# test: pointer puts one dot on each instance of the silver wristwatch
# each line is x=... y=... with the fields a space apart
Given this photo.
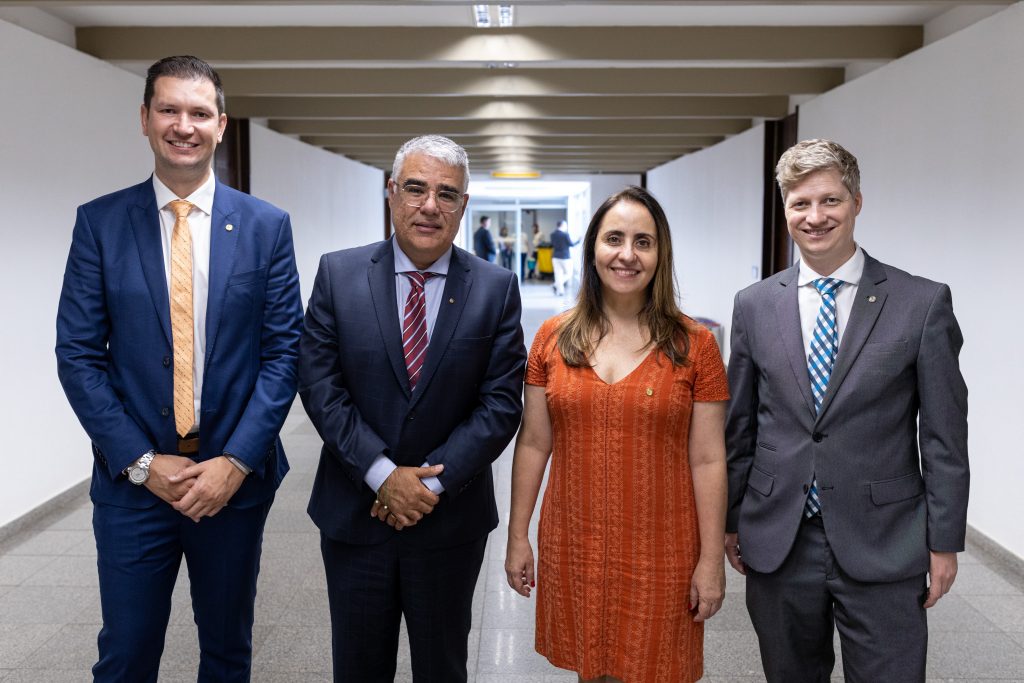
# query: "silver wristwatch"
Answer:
x=138 y=473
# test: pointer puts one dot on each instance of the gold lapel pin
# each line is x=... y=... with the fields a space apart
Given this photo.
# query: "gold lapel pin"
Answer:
x=872 y=299
x=229 y=227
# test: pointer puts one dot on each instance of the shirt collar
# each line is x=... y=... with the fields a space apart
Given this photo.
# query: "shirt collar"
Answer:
x=850 y=272
x=404 y=265
x=202 y=198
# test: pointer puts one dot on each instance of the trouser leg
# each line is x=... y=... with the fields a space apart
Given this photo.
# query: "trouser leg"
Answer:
x=223 y=557
x=791 y=610
x=138 y=553
x=437 y=588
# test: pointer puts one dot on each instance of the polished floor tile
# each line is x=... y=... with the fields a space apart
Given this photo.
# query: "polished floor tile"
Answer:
x=49 y=600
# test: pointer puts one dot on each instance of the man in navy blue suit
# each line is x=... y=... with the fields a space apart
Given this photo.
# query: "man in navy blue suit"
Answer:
x=177 y=337
x=411 y=368
x=483 y=240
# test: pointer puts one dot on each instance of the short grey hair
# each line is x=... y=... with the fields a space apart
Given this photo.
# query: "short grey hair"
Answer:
x=811 y=156
x=438 y=147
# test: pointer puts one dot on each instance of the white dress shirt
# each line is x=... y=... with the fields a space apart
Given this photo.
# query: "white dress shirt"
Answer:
x=199 y=225
x=433 y=290
x=810 y=300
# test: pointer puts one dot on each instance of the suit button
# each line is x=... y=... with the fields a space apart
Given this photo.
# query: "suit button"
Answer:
x=167 y=361
x=806 y=488
x=817 y=437
x=412 y=415
x=165 y=411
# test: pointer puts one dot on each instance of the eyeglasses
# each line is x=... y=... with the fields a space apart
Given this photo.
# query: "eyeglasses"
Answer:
x=416 y=196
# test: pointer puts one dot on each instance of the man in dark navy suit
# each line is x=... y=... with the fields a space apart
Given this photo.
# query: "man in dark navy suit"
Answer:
x=411 y=369
x=177 y=337
x=483 y=240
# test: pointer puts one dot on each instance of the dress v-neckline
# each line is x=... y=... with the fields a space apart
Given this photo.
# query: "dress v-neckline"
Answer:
x=622 y=379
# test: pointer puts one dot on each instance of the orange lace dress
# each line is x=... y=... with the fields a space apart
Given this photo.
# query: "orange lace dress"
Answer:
x=618 y=539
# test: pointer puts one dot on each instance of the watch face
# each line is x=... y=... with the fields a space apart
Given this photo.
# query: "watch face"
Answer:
x=138 y=475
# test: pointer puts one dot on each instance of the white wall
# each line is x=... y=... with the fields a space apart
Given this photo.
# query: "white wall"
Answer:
x=602 y=186
x=714 y=203
x=71 y=133
x=940 y=139
x=334 y=202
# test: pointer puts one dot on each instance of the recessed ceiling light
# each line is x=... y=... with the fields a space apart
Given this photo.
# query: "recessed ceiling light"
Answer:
x=482 y=16
x=515 y=175
x=505 y=16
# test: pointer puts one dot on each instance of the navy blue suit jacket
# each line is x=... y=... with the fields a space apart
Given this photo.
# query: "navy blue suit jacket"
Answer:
x=114 y=353
x=355 y=387
x=483 y=244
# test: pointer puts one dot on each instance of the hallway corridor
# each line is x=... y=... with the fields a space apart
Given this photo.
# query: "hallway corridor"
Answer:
x=50 y=615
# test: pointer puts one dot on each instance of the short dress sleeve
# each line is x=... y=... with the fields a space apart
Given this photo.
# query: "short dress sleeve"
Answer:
x=540 y=353
x=710 y=381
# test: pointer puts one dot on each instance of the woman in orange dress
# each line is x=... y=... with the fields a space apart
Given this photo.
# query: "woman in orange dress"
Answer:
x=627 y=397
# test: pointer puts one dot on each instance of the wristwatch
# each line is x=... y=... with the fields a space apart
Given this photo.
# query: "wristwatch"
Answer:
x=138 y=473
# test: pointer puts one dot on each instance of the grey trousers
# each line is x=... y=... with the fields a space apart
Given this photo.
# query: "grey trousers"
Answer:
x=883 y=630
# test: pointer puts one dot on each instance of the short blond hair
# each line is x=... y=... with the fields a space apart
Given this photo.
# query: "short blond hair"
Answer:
x=811 y=156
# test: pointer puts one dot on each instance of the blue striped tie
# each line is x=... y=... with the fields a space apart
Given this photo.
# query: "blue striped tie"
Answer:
x=820 y=358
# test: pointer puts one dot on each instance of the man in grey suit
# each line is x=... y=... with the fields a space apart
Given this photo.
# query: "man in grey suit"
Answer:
x=847 y=442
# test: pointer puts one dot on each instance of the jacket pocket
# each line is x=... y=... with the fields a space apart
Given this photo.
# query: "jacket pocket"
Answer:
x=894 y=490
x=258 y=275
x=760 y=481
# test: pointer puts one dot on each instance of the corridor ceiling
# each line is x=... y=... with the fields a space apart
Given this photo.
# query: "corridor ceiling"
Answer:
x=572 y=87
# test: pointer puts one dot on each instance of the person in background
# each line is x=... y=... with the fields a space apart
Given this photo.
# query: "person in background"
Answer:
x=524 y=253
x=507 y=246
x=177 y=335
x=483 y=241
x=536 y=239
x=847 y=442
x=561 y=257
x=626 y=396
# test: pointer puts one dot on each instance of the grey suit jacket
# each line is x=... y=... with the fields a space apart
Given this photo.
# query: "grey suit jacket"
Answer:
x=889 y=446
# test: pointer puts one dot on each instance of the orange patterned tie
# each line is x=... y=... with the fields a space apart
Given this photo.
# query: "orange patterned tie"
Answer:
x=181 y=317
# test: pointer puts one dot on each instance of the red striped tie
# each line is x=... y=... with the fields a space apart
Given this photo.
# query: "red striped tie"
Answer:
x=414 y=326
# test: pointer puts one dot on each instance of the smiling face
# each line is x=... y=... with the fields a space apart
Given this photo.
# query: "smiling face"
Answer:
x=183 y=127
x=820 y=215
x=425 y=233
x=626 y=250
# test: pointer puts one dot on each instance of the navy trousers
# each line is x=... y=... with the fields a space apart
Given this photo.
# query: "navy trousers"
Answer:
x=138 y=556
x=370 y=587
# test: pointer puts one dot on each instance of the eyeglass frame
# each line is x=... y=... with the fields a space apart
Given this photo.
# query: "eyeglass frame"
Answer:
x=402 y=189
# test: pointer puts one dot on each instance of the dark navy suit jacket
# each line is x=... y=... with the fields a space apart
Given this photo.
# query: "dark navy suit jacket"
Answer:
x=114 y=351
x=355 y=387
x=483 y=244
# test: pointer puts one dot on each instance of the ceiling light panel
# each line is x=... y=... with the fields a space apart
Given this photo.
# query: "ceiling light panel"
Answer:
x=482 y=16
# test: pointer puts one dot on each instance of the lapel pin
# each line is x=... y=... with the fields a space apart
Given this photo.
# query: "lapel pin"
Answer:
x=872 y=299
x=229 y=227
x=451 y=301
x=650 y=392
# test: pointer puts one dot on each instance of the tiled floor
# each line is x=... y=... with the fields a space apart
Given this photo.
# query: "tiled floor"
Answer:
x=49 y=605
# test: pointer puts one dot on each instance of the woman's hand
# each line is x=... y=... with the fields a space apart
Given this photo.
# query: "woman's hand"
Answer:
x=519 y=566
x=707 y=587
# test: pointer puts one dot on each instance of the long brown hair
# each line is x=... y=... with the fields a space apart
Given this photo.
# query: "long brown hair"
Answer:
x=667 y=326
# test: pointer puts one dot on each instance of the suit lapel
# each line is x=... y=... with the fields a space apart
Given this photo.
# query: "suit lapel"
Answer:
x=866 y=308
x=144 y=216
x=222 y=260
x=456 y=292
x=787 y=311
x=381 y=274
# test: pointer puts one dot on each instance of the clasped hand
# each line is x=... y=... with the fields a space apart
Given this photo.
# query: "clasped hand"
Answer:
x=196 y=490
x=403 y=499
